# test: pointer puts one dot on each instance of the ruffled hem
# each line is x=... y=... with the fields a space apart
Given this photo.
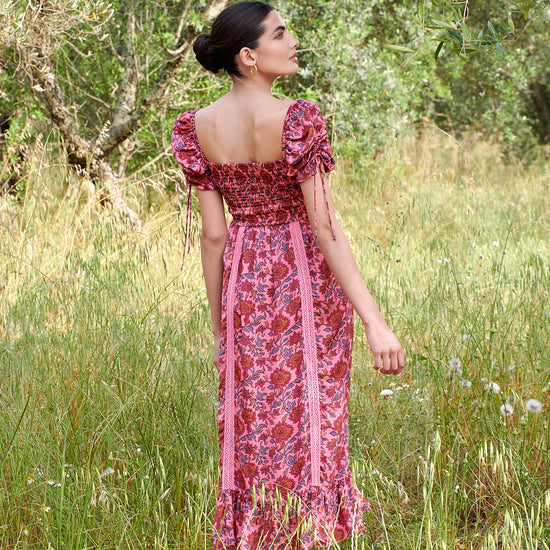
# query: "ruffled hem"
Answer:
x=279 y=519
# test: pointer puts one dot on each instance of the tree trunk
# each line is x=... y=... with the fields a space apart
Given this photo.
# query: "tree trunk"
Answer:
x=540 y=95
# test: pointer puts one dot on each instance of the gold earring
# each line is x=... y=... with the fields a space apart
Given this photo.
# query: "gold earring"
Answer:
x=253 y=70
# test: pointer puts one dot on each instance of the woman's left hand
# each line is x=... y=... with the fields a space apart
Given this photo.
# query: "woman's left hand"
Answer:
x=385 y=347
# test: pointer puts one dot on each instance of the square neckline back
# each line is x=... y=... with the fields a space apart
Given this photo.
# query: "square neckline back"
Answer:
x=236 y=164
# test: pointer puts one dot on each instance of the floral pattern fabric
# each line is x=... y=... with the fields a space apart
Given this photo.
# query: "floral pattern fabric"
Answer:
x=272 y=500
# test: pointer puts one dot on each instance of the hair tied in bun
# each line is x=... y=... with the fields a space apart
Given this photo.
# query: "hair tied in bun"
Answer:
x=206 y=53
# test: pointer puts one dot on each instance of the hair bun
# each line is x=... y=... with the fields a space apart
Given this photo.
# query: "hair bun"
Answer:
x=206 y=53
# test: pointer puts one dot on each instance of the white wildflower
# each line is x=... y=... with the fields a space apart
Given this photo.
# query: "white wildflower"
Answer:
x=386 y=393
x=511 y=368
x=25 y=532
x=495 y=244
x=107 y=472
x=50 y=482
x=466 y=383
x=493 y=387
x=30 y=480
x=533 y=406
x=47 y=509
x=506 y=409
x=466 y=337
x=455 y=365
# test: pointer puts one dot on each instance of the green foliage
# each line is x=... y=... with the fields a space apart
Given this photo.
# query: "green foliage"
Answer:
x=370 y=64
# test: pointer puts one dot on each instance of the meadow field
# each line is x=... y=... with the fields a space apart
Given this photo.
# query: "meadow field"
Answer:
x=108 y=395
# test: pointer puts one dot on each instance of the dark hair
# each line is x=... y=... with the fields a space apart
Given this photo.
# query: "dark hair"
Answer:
x=237 y=26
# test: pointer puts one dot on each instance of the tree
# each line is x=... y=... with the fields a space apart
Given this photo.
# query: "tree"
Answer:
x=96 y=70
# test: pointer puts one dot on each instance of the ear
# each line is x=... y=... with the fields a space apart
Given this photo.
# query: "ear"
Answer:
x=247 y=57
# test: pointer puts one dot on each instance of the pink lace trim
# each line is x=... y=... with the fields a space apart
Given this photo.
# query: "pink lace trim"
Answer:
x=310 y=350
x=229 y=419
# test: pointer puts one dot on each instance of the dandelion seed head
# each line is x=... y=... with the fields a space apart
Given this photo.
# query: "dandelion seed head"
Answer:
x=506 y=409
x=492 y=387
x=533 y=406
x=455 y=363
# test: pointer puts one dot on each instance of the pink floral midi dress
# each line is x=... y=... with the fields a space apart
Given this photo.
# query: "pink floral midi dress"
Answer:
x=285 y=356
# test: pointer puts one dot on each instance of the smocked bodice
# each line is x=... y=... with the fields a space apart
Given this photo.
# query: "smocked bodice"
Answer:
x=260 y=193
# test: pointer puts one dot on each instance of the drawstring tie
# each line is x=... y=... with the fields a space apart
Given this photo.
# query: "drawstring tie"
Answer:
x=186 y=235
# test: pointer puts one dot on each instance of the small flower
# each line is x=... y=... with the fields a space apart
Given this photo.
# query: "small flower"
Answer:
x=506 y=409
x=107 y=472
x=50 y=482
x=533 y=406
x=455 y=365
x=495 y=244
x=25 y=532
x=466 y=337
x=481 y=257
x=386 y=393
x=47 y=509
x=138 y=451
x=466 y=383
x=30 y=480
x=492 y=387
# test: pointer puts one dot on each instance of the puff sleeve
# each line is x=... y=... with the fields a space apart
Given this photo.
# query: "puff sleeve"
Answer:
x=186 y=150
x=307 y=150
x=306 y=146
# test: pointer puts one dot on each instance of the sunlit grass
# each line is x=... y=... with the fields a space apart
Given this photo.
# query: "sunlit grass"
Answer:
x=108 y=397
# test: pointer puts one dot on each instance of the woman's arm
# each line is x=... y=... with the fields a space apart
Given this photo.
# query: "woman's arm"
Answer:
x=386 y=349
x=213 y=237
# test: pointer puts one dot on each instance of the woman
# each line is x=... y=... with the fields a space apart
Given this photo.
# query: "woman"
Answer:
x=281 y=283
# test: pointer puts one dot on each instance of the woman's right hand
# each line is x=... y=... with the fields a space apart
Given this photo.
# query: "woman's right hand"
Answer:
x=217 y=340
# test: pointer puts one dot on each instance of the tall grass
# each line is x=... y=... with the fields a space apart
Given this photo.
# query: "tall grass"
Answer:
x=108 y=396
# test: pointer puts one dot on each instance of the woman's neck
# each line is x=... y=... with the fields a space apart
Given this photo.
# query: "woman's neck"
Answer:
x=254 y=87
